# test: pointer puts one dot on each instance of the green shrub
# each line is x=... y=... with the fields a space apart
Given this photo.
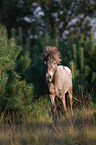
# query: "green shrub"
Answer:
x=14 y=93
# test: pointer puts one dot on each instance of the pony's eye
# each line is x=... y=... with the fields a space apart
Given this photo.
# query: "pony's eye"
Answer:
x=54 y=63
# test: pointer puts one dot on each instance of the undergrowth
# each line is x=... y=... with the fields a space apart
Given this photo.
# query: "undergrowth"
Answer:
x=37 y=127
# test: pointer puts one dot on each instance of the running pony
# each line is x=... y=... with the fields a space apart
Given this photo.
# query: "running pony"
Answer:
x=58 y=78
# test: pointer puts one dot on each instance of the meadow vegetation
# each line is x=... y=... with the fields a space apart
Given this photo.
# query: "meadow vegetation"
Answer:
x=79 y=129
x=25 y=113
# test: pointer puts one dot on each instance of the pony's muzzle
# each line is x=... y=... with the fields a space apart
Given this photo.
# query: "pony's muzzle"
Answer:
x=49 y=77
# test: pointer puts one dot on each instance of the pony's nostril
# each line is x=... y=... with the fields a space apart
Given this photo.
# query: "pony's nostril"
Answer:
x=49 y=77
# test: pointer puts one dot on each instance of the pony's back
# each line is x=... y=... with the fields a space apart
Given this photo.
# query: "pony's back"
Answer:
x=64 y=79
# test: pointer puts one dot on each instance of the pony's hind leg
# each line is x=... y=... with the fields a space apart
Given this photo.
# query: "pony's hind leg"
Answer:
x=64 y=104
x=70 y=96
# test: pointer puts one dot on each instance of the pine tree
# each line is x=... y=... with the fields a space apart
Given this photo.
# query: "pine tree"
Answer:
x=14 y=94
x=84 y=51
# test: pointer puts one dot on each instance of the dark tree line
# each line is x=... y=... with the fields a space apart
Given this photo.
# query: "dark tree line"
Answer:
x=35 y=17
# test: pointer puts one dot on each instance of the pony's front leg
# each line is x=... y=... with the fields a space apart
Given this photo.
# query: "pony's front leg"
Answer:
x=53 y=106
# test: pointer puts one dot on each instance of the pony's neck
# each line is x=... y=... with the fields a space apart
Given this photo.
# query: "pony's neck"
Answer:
x=56 y=76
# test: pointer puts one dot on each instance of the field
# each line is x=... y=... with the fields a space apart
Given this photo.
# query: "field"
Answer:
x=79 y=129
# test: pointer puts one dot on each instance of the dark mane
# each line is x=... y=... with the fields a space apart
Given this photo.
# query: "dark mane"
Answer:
x=52 y=52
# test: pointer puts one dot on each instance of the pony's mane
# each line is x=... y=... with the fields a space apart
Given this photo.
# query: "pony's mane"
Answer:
x=51 y=52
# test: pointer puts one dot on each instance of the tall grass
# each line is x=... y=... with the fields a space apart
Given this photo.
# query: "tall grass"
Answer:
x=79 y=129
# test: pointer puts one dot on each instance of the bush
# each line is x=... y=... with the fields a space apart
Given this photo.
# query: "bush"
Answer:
x=14 y=93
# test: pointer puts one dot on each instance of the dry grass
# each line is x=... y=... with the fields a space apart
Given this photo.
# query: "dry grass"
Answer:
x=79 y=129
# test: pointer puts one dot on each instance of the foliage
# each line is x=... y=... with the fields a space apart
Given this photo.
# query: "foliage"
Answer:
x=40 y=111
x=16 y=91
x=84 y=51
x=78 y=53
x=25 y=116
x=36 y=16
x=14 y=94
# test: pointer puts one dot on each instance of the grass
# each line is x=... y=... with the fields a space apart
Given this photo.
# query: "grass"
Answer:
x=79 y=129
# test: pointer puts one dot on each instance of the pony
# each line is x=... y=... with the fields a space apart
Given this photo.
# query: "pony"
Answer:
x=58 y=78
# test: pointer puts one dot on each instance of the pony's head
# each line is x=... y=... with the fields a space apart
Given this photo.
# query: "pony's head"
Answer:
x=51 y=58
